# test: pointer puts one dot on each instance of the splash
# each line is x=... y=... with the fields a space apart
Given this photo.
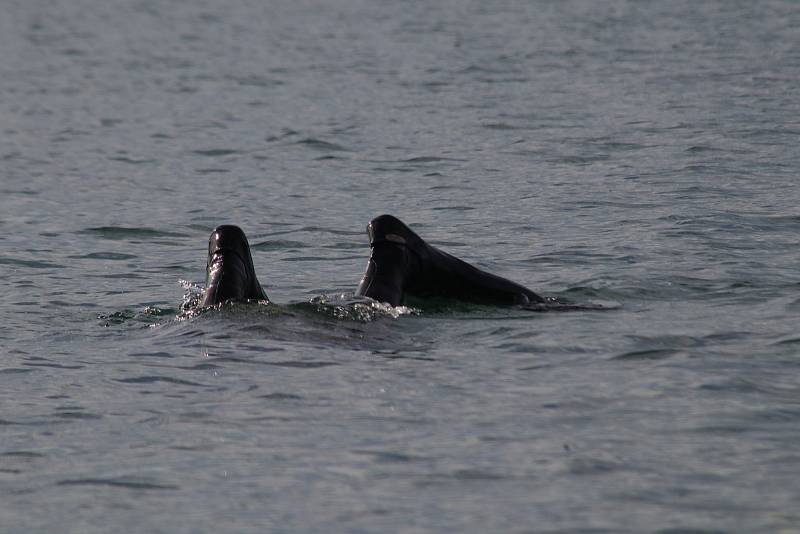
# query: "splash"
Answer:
x=346 y=306
x=193 y=294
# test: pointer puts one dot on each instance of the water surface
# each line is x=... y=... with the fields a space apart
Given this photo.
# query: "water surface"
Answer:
x=637 y=155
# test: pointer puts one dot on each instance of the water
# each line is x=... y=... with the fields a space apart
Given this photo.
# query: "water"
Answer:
x=637 y=155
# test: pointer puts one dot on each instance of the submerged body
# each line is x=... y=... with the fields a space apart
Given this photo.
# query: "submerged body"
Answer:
x=401 y=264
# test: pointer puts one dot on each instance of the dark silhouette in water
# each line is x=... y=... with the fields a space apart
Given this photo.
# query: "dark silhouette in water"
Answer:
x=230 y=274
x=401 y=264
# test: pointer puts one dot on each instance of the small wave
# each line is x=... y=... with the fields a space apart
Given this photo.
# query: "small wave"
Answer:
x=501 y=126
x=9 y=422
x=23 y=454
x=104 y=256
x=395 y=169
x=556 y=304
x=122 y=232
x=54 y=365
x=151 y=379
x=280 y=396
x=647 y=354
x=351 y=308
x=429 y=159
x=318 y=144
x=285 y=132
x=191 y=308
x=215 y=152
x=143 y=317
x=132 y=161
x=390 y=456
x=277 y=244
x=129 y=483
x=255 y=80
x=324 y=230
x=699 y=149
x=593 y=466
x=158 y=354
x=301 y=364
x=30 y=264
x=77 y=415
x=454 y=208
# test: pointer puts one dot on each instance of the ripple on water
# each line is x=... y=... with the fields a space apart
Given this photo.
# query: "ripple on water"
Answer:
x=114 y=256
x=280 y=396
x=132 y=161
x=127 y=483
x=23 y=454
x=72 y=414
x=295 y=364
x=126 y=233
x=14 y=370
x=30 y=264
x=152 y=379
x=278 y=244
x=391 y=456
x=647 y=354
x=319 y=144
x=53 y=365
x=216 y=152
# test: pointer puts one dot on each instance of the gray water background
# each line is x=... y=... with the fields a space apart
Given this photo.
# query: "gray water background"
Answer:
x=639 y=155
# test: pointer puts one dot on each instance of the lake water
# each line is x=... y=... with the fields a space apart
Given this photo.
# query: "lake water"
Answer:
x=641 y=156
